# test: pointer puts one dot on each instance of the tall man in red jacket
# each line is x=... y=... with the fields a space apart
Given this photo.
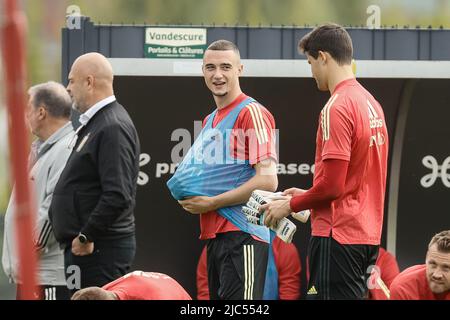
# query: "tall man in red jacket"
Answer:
x=347 y=197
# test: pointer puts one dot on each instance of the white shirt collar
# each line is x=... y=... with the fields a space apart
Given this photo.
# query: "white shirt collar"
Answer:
x=85 y=117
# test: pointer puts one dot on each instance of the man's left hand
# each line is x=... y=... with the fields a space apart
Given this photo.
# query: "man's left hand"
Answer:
x=198 y=204
x=82 y=249
x=275 y=211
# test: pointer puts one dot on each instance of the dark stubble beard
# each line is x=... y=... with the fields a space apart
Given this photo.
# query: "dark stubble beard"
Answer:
x=220 y=94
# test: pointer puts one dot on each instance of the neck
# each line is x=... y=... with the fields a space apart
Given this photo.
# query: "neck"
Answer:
x=99 y=97
x=51 y=127
x=223 y=101
x=339 y=74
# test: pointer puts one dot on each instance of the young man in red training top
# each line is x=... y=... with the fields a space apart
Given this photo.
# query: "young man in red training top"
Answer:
x=232 y=251
x=288 y=264
x=429 y=281
x=347 y=197
x=137 y=285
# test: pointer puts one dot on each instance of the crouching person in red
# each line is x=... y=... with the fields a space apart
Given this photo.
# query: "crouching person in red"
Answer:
x=429 y=281
x=137 y=285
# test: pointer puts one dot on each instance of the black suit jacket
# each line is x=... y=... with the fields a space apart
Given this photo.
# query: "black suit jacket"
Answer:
x=96 y=192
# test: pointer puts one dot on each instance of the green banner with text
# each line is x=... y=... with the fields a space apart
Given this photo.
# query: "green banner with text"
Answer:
x=185 y=43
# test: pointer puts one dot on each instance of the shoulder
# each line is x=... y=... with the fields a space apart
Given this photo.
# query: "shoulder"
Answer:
x=62 y=147
x=384 y=255
x=255 y=106
x=338 y=104
x=336 y=114
x=113 y=114
x=205 y=120
x=356 y=99
x=116 y=120
x=256 y=113
x=412 y=273
x=409 y=278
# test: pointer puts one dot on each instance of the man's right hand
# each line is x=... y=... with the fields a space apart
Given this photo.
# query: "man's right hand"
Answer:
x=82 y=249
x=292 y=192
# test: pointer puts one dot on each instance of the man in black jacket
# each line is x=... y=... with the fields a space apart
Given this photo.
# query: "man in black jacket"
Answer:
x=93 y=202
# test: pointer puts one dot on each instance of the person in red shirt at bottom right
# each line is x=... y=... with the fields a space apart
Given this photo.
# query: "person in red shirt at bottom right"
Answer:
x=429 y=281
x=137 y=285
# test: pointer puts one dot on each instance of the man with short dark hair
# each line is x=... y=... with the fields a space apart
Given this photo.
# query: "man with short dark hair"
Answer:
x=48 y=114
x=429 y=281
x=347 y=197
x=233 y=155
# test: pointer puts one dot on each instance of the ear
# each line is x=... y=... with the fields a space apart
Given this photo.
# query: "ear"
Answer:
x=240 y=69
x=42 y=112
x=323 y=56
x=90 y=81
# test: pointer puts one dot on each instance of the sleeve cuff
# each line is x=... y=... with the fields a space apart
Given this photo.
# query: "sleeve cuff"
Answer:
x=259 y=159
x=293 y=203
x=89 y=232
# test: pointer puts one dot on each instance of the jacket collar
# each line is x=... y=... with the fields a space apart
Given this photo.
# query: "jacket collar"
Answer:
x=42 y=147
x=89 y=114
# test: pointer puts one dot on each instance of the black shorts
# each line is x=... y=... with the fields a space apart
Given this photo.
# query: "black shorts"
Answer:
x=339 y=271
x=237 y=266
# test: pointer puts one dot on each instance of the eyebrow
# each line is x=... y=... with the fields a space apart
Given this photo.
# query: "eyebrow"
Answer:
x=221 y=65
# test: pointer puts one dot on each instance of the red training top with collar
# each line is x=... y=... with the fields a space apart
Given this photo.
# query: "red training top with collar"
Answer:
x=412 y=284
x=352 y=128
x=139 y=285
x=254 y=140
x=287 y=262
x=388 y=268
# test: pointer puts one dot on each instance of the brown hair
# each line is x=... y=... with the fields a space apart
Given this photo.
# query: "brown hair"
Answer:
x=93 y=293
x=442 y=239
x=331 y=38
x=222 y=45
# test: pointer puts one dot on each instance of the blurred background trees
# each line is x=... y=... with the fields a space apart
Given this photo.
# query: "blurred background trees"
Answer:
x=47 y=17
